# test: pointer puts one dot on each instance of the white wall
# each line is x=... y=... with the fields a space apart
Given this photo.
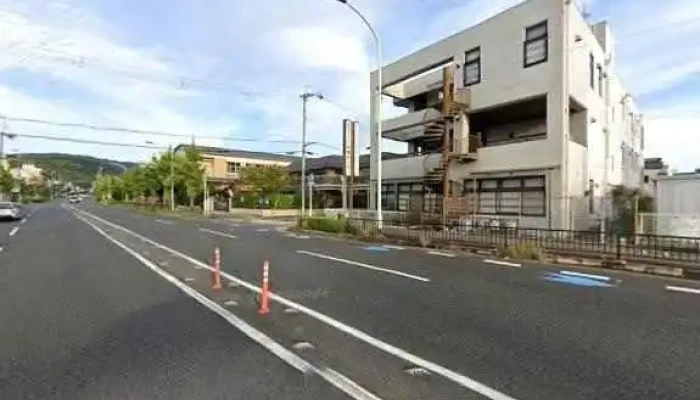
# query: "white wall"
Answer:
x=409 y=167
x=503 y=77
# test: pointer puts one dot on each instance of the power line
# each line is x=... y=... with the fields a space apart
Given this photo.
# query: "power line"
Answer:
x=105 y=143
x=83 y=141
x=178 y=81
x=82 y=125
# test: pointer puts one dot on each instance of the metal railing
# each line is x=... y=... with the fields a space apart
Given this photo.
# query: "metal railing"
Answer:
x=632 y=247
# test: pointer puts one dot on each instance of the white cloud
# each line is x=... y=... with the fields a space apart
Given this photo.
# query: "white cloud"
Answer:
x=674 y=139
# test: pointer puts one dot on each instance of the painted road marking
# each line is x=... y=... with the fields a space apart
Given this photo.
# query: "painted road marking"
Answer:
x=363 y=265
x=1 y=249
x=582 y=275
x=682 y=289
x=391 y=246
x=23 y=221
x=575 y=280
x=331 y=376
x=498 y=262
x=381 y=249
x=163 y=221
x=262 y=230
x=410 y=358
x=223 y=234
x=440 y=253
x=14 y=230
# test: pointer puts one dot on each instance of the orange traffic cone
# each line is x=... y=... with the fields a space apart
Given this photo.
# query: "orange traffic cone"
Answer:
x=216 y=270
x=265 y=295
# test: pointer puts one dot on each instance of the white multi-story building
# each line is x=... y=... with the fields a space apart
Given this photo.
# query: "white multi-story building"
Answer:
x=544 y=128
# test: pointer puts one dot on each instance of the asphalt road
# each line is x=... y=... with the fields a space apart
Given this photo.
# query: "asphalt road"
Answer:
x=82 y=319
x=512 y=329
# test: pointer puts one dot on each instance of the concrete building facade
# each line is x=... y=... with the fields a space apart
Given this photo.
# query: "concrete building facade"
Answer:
x=544 y=128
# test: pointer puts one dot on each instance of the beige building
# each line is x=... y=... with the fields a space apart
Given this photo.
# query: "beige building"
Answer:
x=223 y=166
x=538 y=128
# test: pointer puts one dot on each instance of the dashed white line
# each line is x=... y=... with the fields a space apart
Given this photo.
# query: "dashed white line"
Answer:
x=14 y=231
x=23 y=221
x=223 y=234
x=331 y=376
x=363 y=265
x=440 y=253
x=1 y=249
x=505 y=263
x=411 y=358
x=163 y=221
x=393 y=247
x=582 y=275
x=682 y=289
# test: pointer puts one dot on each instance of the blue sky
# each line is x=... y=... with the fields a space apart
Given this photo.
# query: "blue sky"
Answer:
x=236 y=67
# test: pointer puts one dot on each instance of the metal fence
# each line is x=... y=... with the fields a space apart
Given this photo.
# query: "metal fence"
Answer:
x=637 y=247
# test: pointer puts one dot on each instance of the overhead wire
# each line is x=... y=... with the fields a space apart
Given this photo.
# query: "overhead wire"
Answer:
x=82 y=125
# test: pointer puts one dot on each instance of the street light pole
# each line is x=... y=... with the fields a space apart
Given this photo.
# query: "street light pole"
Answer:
x=305 y=98
x=377 y=138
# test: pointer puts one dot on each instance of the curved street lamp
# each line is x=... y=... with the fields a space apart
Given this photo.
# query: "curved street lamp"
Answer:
x=378 y=115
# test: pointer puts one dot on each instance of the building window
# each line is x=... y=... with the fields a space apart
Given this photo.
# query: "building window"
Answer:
x=510 y=196
x=600 y=79
x=234 y=167
x=472 y=67
x=389 y=197
x=535 y=48
x=646 y=178
x=591 y=71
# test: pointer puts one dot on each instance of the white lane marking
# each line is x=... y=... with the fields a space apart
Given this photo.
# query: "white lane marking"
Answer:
x=582 y=275
x=439 y=253
x=333 y=377
x=363 y=265
x=14 y=230
x=1 y=249
x=23 y=221
x=498 y=262
x=391 y=246
x=223 y=234
x=411 y=358
x=163 y=221
x=682 y=289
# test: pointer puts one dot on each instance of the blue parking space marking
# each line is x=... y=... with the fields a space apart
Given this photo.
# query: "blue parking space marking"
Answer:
x=376 y=248
x=575 y=280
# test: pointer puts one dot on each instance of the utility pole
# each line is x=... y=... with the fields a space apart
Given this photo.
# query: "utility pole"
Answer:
x=172 y=178
x=304 y=99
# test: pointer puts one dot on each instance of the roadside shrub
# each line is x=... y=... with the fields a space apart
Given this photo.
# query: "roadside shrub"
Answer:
x=522 y=251
x=324 y=224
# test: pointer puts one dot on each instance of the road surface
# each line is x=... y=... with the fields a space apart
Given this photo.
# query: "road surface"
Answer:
x=395 y=323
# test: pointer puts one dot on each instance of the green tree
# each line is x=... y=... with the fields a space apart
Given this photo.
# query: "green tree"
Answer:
x=627 y=201
x=265 y=180
x=191 y=173
x=135 y=183
x=7 y=182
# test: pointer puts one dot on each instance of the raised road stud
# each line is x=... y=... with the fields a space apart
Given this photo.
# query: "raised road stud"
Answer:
x=265 y=294
x=216 y=270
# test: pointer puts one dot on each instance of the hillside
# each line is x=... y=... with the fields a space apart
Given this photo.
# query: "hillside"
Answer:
x=79 y=169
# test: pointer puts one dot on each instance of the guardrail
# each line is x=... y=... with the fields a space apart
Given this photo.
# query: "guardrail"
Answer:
x=613 y=246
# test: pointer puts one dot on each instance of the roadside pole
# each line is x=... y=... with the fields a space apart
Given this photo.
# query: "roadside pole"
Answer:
x=311 y=195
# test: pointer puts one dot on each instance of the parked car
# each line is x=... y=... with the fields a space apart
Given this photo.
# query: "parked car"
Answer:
x=10 y=211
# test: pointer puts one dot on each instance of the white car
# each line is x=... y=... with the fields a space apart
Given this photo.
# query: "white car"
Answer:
x=10 y=211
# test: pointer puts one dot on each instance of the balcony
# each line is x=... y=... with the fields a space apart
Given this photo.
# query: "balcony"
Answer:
x=411 y=166
x=416 y=86
x=409 y=126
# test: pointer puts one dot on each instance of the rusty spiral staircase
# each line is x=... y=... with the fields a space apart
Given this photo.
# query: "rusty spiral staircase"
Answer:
x=443 y=130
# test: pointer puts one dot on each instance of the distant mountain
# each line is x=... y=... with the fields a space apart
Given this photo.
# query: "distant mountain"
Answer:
x=79 y=169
